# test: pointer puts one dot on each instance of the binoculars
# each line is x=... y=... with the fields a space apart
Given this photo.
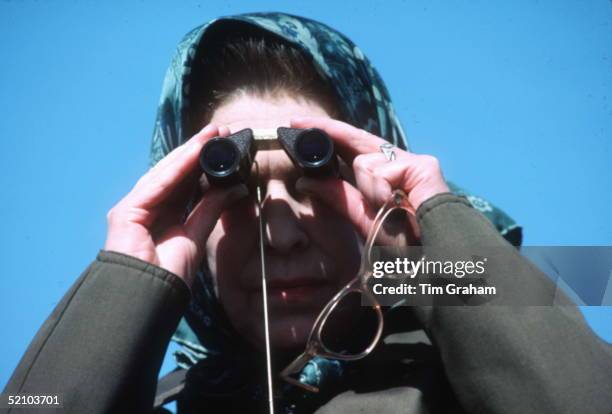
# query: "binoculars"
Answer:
x=228 y=160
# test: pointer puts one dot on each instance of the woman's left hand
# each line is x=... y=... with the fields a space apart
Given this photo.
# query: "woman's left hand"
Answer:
x=419 y=176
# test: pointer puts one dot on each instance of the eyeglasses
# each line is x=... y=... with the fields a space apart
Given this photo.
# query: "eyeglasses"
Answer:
x=316 y=346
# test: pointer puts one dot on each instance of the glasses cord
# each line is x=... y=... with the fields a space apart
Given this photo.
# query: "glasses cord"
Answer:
x=264 y=292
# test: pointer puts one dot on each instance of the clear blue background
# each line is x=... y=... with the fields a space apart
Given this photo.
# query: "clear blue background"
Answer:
x=513 y=97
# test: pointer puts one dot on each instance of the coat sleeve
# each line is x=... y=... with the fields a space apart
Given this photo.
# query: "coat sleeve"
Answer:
x=501 y=358
x=103 y=345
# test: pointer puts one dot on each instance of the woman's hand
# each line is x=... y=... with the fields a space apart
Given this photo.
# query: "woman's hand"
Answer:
x=375 y=176
x=149 y=223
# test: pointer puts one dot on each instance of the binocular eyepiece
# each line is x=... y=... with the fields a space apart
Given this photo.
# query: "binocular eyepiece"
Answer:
x=228 y=161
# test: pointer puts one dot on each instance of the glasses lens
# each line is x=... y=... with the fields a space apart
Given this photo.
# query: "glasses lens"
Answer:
x=351 y=327
x=313 y=147
x=219 y=156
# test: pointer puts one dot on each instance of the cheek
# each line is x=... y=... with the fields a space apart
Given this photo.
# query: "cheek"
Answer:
x=229 y=247
x=233 y=238
x=336 y=237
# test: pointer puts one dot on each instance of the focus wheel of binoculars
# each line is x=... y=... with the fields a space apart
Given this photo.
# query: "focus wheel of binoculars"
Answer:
x=228 y=160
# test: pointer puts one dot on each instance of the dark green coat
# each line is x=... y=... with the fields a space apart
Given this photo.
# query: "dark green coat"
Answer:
x=103 y=345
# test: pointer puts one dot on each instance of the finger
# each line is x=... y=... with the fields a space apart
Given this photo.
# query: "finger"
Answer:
x=207 y=211
x=172 y=211
x=377 y=177
x=374 y=187
x=342 y=197
x=394 y=172
x=350 y=141
x=224 y=131
x=208 y=131
x=157 y=185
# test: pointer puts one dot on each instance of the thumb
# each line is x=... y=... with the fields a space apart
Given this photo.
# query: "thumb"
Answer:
x=342 y=197
x=205 y=214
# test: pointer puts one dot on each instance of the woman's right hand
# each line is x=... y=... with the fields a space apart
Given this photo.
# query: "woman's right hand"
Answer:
x=149 y=223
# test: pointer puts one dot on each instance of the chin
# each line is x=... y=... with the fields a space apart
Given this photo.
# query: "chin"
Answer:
x=290 y=319
x=291 y=333
x=287 y=333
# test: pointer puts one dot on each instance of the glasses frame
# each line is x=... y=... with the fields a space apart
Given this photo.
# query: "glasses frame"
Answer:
x=314 y=345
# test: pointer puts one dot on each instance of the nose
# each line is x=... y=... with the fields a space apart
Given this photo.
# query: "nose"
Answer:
x=283 y=233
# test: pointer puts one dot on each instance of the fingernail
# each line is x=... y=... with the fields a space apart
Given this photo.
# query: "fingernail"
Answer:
x=208 y=129
x=224 y=131
x=299 y=119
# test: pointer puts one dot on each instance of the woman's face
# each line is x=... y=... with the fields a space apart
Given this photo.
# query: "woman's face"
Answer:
x=310 y=251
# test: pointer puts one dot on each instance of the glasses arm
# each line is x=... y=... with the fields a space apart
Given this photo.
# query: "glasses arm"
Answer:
x=398 y=199
x=296 y=368
x=314 y=345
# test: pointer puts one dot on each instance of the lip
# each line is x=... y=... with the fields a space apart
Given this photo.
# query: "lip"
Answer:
x=294 y=290
x=290 y=285
x=299 y=297
x=287 y=275
x=300 y=282
x=295 y=294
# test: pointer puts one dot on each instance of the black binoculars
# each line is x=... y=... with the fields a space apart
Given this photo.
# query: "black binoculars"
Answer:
x=228 y=160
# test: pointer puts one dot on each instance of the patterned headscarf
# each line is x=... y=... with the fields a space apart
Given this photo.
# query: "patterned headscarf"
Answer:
x=205 y=334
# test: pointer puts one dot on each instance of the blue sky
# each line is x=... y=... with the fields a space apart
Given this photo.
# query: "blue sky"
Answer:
x=513 y=98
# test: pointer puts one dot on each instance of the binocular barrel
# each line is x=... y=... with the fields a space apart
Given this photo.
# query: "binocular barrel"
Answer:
x=311 y=150
x=228 y=161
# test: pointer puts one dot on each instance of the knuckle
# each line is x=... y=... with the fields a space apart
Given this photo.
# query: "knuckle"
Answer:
x=114 y=215
x=360 y=163
x=430 y=162
x=154 y=181
x=111 y=216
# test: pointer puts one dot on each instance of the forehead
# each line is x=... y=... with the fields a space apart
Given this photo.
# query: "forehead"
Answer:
x=267 y=112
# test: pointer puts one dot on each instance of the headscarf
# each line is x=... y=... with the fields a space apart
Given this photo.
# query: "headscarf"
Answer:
x=205 y=334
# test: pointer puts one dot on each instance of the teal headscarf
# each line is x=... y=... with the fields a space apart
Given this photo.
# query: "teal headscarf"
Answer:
x=205 y=334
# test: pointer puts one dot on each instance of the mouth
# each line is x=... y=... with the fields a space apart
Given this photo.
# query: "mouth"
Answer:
x=300 y=283
x=296 y=294
x=296 y=291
